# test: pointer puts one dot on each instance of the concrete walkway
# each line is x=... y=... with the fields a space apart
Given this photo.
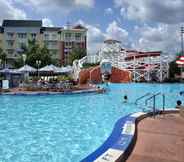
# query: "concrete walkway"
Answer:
x=159 y=140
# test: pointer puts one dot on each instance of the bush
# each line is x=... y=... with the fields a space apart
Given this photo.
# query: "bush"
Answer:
x=64 y=78
x=88 y=65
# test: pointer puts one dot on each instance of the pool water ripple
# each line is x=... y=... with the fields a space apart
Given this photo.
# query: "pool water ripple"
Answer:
x=67 y=128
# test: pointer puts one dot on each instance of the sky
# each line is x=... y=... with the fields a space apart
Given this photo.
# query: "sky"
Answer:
x=138 y=24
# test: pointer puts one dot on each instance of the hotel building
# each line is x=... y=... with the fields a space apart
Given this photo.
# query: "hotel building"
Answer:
x=60 y=41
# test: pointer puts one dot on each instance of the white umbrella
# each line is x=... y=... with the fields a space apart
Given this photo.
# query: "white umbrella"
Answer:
x=7 y=70
x=49 y=68
x=67 y=69
x=27 y=68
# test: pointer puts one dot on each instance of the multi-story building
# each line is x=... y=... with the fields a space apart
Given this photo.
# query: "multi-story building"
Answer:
x=60 y=41
x=72 y=37
x=1 y=37
x=16 y=34
x=51 y=39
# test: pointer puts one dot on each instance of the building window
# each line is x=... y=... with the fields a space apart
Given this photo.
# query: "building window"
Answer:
x=9 y=43
x=54 y=36
x=10 y=52
x=22 y=44
x=22 y=35
x=33 y=35
x=46 y=36
x=10 y=35
x=68 y=36
x=46 y=43
x=78 y=36
x=54 y=43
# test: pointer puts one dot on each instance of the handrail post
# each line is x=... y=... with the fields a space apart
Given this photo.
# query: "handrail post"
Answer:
x=163 y=102
x=154 y=106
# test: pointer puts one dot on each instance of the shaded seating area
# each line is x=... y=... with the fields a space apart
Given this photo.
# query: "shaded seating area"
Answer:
x=48 y=78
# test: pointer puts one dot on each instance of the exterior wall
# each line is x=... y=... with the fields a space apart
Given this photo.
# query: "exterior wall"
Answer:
x=84 y=76
x=120 y=76
x=94 y=75
x=13 y=43
x=60 y=46
x=71 y=38
x=62 y=59
x=51 y=40
x=1 y=40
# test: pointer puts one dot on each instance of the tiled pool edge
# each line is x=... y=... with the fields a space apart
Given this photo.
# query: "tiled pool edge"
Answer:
x=122 y=139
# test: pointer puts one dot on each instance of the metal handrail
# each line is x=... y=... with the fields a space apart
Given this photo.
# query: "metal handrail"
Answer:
x=154 y=95
x=147 y=94
x=154 y=102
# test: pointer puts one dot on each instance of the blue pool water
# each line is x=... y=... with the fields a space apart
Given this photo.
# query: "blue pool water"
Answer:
x=66 y=128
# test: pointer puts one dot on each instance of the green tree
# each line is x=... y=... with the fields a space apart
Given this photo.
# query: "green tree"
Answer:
x=76 y=54
x=33 y=52
x=173 y=69
x=3 y=57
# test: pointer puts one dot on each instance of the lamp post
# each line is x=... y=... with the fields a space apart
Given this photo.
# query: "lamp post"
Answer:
x=182 y=47
x=38 y=63
x=24 y=58
x=25 y=73
x=0 y=63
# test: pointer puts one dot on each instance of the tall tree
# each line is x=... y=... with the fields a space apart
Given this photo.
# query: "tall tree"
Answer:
x=34 y=51
x=173 y=67
x=76 y=54
x=3 y=57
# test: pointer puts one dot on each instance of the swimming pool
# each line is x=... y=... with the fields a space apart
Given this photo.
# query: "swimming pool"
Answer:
x=66 y=128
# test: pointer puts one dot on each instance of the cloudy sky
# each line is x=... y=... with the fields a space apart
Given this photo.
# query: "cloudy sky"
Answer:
x=138 y=24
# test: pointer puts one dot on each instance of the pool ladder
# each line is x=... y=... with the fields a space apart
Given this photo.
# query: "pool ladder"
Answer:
x=153 y=98
x=140 y=98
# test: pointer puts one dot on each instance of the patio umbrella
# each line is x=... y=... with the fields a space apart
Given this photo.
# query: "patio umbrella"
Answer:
x=27 y=68
x=9 y=71
x=49 y=68
x=67 y=69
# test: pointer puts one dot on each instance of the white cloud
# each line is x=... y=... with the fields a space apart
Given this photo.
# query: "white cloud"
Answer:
x=47 y=22
x=166 y=15
x=122 y=12
x=108 y=11
x=165 y=11
x=9 y=11
x=96 y=36
x=87 y=3
x=113 y=31
x=59 y=6
x=162 y=37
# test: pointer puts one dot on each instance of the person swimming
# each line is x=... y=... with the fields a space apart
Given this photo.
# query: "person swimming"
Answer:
x=178 y=104
x=125 y=99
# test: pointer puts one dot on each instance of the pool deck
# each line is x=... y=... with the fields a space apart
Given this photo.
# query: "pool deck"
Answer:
x=159 y=140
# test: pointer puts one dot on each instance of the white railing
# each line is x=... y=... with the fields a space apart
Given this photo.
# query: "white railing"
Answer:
x=93 y=59
x=82 y=61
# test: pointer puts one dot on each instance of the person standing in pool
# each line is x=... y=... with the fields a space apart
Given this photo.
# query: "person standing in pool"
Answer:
x=125 y=99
